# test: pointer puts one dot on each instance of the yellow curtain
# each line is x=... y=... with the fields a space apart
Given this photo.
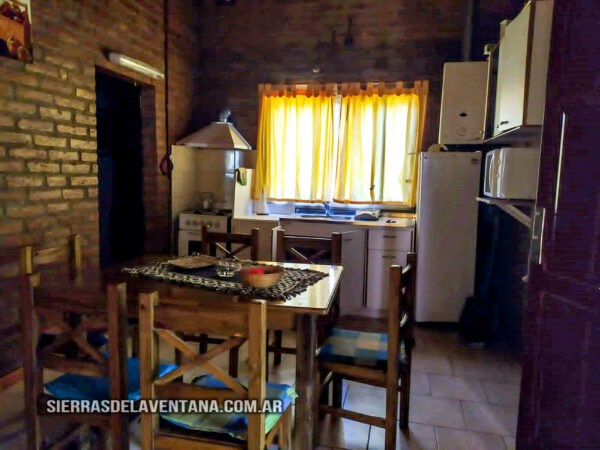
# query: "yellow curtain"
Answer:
x=295 y=147
x=377 y=146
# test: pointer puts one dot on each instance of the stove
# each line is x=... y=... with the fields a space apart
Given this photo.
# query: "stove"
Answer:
x=189 y=240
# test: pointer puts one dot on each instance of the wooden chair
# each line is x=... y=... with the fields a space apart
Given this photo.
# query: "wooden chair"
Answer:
x=162 y=319
x=19 y=261
x=305 y=250
x=69 y=307
x=211 y=242
x=14 y=263
x=364 y=357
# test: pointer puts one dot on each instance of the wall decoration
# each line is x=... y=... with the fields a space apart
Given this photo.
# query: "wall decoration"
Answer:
x=15 y=29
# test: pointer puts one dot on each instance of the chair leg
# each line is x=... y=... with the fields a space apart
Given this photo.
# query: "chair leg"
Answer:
x=316 y=403
x=324 y=397
x=135 y=340
x=234 y=355
x=404 y=400
x=337 y=388
x=278 y=344
x=391 y=416
x=203 y=345
x=285 y=432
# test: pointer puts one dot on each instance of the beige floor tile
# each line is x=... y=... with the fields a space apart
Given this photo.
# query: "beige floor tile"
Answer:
x=487 y=418
x=459 y=388
x=502 y=394
x=436 y=411
x=492 y=369
x=419 y=383
x=431 y=363
x=417 y=437
x=440 y=342
x=510 y=442
x=284 y=372
x=365 y=399
x=451 y=439
x=343 y=433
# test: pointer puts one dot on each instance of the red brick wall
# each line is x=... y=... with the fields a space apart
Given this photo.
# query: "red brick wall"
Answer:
x=278 y=41
x=48 y=170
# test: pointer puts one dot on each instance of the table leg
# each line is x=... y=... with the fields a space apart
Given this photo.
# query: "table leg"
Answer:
x=306 y=345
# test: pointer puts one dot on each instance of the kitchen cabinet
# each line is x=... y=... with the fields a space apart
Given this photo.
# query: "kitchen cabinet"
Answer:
x=385 y=248
x=352 y=282
x=522 y=67
x=378 y=277
x=462 y=112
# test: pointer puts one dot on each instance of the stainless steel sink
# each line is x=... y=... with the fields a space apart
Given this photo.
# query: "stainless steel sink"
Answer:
x=322 y=216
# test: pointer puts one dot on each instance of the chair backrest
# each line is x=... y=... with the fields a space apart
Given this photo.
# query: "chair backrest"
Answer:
x=400 y=310
x=308 y=250
x=162 y=318
x=69 y=351
x=213 y=240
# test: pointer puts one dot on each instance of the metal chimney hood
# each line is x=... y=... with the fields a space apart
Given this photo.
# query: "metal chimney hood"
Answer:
x=220 y=135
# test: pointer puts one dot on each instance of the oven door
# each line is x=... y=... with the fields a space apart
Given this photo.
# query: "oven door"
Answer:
x=189 y=243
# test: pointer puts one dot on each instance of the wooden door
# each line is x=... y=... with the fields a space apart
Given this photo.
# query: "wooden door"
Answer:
x=560 y=391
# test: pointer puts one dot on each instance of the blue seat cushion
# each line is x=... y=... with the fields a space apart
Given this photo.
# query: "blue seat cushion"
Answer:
x=81 y=387
x=235 y=425
x=358 y=348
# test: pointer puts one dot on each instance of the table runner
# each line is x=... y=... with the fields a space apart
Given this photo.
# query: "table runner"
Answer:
x=293 y=282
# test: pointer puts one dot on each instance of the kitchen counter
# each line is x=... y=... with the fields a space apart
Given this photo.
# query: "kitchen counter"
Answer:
x=402 y=222
x=405 y=220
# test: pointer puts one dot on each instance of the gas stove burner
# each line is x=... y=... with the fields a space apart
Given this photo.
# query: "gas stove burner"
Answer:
x=219 y=212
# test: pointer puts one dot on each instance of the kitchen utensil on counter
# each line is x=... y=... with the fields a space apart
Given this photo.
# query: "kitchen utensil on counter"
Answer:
x=206 y=201
x=262 y=207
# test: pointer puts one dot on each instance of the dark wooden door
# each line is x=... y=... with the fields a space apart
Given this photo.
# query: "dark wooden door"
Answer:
x=560 y=395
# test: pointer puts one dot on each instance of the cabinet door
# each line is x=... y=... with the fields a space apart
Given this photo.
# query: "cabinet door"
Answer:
x=512 y=64
x=378 y=276
x=353 y=276
x=463 y=102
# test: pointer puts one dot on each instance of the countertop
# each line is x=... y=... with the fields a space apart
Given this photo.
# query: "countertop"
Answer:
x=404 y=221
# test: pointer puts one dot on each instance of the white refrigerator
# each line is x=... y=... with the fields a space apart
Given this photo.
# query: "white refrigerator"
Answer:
x=446 y=233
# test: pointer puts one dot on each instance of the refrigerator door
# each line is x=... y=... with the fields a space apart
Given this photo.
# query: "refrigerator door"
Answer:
x=446 y=233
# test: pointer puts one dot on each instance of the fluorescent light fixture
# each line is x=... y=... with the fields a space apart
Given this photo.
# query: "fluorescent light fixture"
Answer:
x=135 y=65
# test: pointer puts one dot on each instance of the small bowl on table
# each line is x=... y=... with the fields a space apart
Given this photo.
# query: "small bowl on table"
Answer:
x=261 y=276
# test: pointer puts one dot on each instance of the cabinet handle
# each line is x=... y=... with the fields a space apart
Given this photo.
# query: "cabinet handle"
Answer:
x=389 y=236
x=504 y=122
x=388 y=256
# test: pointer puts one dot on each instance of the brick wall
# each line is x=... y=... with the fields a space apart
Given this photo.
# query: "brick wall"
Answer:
x=48 y=162
x=279 y=41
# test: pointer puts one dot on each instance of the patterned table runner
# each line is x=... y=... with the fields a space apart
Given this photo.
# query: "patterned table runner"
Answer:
x=293 y=282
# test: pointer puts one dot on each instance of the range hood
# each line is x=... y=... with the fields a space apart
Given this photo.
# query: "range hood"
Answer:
x=220 y=135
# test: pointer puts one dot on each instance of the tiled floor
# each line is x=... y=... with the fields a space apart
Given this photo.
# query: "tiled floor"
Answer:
x=461 y=398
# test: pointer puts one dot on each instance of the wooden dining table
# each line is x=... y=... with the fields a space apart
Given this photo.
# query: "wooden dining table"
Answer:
x=298 y=313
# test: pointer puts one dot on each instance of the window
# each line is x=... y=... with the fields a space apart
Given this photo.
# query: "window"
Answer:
x=358 y=146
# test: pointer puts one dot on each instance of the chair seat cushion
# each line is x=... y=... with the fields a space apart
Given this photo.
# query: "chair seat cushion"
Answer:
x=357 y=348
x=81 y=387
x=235 y=425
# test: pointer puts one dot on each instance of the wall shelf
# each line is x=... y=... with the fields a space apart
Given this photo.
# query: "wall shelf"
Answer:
x=511 y=208
x=527 y=135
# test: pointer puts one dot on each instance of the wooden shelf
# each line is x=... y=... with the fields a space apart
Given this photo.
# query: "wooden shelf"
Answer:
x=511 y=208
x=523 y=135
